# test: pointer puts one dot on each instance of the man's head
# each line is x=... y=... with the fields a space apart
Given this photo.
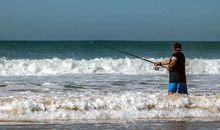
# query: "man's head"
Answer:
x=176 y=46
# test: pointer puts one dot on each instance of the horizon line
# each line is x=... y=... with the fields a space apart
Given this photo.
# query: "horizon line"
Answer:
x=111 y=40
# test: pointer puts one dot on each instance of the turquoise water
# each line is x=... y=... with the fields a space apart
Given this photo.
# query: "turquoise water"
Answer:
x=94 y=49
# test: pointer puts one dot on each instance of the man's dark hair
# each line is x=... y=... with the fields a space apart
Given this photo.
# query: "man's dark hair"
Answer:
x=177 y=46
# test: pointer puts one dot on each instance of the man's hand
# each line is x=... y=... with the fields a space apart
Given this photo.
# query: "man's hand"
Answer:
x=157 y=64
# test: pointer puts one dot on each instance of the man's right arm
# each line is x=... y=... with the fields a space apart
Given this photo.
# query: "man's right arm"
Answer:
x=165 y=62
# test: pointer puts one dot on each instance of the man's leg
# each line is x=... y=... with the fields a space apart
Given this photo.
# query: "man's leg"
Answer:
x=172 y=88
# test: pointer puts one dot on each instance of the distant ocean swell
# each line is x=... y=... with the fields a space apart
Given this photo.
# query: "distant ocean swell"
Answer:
x=55 y=66
x=128 y=105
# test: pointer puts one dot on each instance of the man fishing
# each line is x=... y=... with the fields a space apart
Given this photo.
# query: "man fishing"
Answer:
x=176 y=68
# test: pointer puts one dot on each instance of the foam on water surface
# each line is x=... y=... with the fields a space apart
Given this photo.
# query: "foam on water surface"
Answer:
x=55 y=66
x=99 y=106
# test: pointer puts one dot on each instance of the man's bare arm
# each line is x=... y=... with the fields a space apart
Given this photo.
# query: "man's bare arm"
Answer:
x=166 y=62
x=172 y=64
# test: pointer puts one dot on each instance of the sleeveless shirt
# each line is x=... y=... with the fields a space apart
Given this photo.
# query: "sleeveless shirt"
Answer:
x=177 y=74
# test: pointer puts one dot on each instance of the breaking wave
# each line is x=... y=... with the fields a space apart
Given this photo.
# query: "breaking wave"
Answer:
x=55 y=66
x=127 y=105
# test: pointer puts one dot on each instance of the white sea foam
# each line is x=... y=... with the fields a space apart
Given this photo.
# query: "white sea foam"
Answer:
x=127 y=105
x=99 y=65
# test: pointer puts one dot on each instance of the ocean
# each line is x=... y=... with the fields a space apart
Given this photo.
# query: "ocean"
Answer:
x=83 y=84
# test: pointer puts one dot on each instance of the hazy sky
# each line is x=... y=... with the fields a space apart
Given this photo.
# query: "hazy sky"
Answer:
x=110 y=20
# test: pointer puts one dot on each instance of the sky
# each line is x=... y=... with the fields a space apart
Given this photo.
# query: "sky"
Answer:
x=148 y=20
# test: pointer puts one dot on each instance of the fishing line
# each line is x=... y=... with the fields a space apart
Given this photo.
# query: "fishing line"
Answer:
x=156 y=67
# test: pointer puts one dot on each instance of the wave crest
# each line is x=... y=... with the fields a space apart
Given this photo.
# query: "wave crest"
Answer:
x=57 y=66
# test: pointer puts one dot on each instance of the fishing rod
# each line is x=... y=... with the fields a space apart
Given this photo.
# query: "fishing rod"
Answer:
x=156 y=67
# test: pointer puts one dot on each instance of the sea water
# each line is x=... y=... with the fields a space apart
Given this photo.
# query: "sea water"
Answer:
x=83 y=81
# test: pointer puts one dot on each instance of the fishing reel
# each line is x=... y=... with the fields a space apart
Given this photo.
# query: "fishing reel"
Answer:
x=157 y=68
x=158 y=65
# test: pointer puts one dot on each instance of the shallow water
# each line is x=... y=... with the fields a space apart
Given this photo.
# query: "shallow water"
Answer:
x=106 y=96
x=148 y=125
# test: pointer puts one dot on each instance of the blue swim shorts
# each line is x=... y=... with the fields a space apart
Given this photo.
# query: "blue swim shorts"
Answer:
x=177 y=88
